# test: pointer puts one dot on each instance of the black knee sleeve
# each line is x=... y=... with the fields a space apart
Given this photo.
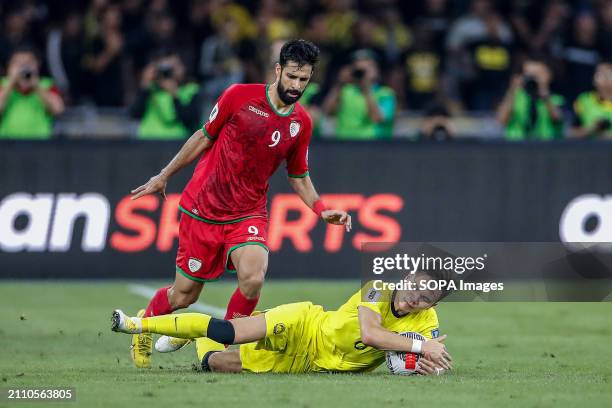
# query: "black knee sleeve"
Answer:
x=221 y=331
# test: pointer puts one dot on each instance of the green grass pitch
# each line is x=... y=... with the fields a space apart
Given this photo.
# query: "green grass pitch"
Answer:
x=506 y=354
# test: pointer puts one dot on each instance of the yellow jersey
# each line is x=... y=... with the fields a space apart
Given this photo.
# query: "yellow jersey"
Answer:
x=337 y=336
x=302 y=337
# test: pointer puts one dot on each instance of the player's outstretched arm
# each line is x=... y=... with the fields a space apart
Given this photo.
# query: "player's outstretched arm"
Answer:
x=305 y=189
x=193 y=148
x=373 y=334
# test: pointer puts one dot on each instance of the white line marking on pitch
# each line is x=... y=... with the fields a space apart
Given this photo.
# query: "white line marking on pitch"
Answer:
x=148 y=293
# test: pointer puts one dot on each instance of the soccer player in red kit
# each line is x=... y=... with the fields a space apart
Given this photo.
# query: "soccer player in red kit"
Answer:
x=223 y=226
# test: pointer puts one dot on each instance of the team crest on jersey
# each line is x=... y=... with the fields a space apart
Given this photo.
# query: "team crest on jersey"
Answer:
x=373 y=295
x=435 y=333
x=294 y=128
x=194 y=264
x=279 y=328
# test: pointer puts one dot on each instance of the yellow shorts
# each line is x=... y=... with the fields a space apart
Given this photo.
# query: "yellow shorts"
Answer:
x=287 y=347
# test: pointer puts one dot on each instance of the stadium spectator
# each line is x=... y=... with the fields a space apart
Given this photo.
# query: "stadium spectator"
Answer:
x=539 y=27
x=466 y=30
x=102 y=60
x=219 y=65
x=337 y=23
x=395 y=37
x=460 y=50
x=491 y=61
x=15 y=33
x=274 y=20
x=28 y=102
x=436 y=17
x=593 y=109
x=605 y=28
x=161 y=31
x=132 y=16
x=166 y=105
x=580 y=55
x=422 y=67
x=529 y=110
x=65 y=51
x=365 y=35
x=363 y=108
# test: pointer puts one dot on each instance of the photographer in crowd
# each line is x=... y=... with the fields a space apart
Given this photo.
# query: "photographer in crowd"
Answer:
x=437 y=124
x=363 y=108
x=593 y=109
x=167 y=107
x=28 y=102
x=529 y=111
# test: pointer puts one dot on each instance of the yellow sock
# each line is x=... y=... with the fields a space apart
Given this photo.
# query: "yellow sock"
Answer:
x=204 y=345
x=184 y=325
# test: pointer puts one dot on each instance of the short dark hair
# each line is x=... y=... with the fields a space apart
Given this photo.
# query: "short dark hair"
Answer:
x=25 y=49
x=300 y=51
x=607 y=60
x=163 y=52
x=538 y=57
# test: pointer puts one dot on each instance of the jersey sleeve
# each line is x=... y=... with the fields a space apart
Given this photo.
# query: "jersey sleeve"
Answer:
x=373 y=299
x=297 y=161
x=220 y=113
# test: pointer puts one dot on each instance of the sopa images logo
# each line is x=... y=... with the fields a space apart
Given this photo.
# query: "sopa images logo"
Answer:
x=587 y=218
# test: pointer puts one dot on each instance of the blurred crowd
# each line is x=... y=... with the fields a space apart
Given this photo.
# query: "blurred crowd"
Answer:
x=542 y=67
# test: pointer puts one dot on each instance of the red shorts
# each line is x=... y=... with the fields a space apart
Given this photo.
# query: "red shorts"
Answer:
x=204 y=248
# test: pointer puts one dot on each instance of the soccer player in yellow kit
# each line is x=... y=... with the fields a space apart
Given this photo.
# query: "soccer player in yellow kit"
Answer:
x=302 y=337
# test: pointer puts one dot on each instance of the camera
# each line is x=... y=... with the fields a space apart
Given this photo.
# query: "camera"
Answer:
x=530 y=84
x=165 y=70
x=26 y=73
x=603 y=125
x=440 y=133
x=358 y=73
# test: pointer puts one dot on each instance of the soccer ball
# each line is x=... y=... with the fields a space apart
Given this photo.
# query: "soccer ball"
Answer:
x=404 y=363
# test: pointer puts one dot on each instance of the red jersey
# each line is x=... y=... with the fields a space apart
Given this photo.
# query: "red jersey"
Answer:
x=251 y=139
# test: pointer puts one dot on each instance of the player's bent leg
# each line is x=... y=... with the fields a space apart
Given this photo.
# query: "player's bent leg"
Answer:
x=227 y=361
x=184 y=292
x=251 y=262
x=159 y=303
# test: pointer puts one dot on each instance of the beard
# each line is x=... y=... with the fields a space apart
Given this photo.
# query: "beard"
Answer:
x=285 y=96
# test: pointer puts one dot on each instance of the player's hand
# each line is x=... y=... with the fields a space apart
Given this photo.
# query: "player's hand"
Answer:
x=434 y=350
x=156 y=184
x=428 y=367
x=337 y=217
